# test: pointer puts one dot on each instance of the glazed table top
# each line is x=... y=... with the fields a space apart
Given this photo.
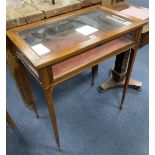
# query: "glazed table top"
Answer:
x=65 y=33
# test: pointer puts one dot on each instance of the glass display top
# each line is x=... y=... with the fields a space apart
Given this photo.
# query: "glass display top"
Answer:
x=58 y=35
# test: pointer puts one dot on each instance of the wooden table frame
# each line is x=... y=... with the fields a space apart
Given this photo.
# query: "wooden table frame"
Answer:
x=41 y=68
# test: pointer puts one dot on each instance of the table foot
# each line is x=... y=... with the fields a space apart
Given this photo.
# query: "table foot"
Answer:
x=10 y=120
x=111 y=83
x=51 y=108
x=121 y=107
x=59 y=149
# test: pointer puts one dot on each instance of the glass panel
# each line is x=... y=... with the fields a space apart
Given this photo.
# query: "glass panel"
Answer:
x=61 y=34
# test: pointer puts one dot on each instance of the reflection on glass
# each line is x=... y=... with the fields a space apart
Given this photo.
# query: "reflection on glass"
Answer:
x=70 y=31
x=40 y=49
x=86 y=30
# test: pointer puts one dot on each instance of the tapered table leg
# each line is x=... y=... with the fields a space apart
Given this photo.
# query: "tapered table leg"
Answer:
x=10 y=120
x=128 y=74
x=20 y=76
x=130 y=65
x=51 y=108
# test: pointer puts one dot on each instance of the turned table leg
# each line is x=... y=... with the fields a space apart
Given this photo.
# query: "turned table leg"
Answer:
x=20 y=77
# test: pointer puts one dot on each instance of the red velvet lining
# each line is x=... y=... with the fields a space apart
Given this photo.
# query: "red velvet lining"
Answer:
x=77 y=61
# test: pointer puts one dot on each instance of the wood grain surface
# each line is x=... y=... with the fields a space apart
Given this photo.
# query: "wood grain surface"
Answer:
x=21 y=12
